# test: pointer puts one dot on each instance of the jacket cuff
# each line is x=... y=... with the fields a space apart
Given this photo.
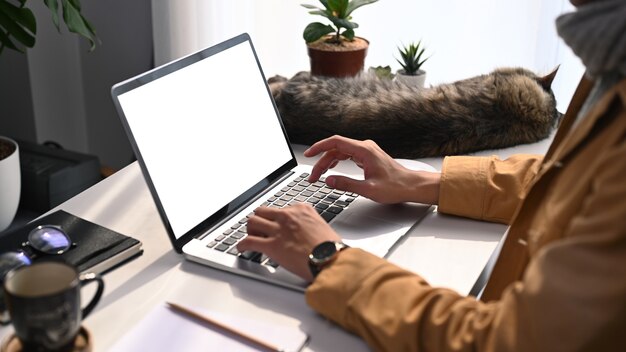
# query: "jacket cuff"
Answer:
x=340 y=281
x=463 y=186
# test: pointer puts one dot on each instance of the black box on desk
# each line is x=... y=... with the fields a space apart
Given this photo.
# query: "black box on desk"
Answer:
x=51 y=176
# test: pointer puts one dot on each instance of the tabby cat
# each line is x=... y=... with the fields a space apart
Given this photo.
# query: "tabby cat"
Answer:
x=506 y=107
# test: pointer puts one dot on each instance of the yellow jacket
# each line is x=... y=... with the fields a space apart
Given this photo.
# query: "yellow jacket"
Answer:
x=559 y=283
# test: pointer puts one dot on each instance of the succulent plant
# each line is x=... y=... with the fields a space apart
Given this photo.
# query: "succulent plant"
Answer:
x=382 y=72
x=412 y=58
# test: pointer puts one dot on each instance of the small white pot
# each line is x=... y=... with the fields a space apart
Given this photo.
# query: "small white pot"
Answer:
x=10 y=185
x=413 y=80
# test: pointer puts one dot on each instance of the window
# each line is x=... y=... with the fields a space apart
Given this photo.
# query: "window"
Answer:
x=464 y=38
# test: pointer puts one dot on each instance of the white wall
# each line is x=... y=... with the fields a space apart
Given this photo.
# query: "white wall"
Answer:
x=57 y=85
x=16 y=105
x=464 y=38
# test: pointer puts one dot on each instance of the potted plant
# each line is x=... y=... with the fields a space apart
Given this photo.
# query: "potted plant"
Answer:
x=18 y=28
x=10 y=181
x=382 y=72
x=411 y=72
x=334 y=50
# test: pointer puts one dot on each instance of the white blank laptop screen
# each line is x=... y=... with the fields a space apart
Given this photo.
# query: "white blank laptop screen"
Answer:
x=196 y=167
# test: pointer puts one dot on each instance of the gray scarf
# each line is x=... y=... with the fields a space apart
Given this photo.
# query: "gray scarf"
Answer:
x=596 y=32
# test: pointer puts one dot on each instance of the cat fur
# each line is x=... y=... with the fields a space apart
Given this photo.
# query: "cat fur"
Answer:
x=506 y=107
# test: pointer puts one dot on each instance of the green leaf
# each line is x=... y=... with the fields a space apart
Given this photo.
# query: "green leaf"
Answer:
x=315 y=31
x=382 y=72
x=18 y=23
x=411 y=57
x=348 y=34
x=310 y=7
x=6 y=42
x=5 y=34
x=76 y=4
x=335 y=5
x=342 y=8
x=338 y=12
x=319 y=12
x=343 y=23
x=402 y=64
x=20 y=15
x=91 y=29
x=76 y=23
x=355 y=4
x=53 y=5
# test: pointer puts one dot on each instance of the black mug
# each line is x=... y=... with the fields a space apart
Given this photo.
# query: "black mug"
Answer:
x=44 y=241
x=43 y=300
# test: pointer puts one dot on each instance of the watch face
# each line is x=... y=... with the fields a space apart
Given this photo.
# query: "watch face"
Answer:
x=324 y=251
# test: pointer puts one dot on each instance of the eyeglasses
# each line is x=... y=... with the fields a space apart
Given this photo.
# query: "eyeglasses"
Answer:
x=42 y=240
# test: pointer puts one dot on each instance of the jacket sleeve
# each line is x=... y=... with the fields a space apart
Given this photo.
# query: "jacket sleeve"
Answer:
x=571 y=297
x=486 y=188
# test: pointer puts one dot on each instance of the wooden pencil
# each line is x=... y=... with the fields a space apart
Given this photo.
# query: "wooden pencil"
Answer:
x=219 y=325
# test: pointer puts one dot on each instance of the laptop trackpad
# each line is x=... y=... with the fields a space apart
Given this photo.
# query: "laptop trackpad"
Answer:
x=363 y=227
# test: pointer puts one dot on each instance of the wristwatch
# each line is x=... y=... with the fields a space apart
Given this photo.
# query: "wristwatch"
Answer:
x=323 y=254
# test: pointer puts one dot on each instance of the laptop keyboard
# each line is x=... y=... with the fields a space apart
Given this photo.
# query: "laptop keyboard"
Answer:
x=328 y=202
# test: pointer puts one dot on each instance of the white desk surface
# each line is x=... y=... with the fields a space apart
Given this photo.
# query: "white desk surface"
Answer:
x=446 y=250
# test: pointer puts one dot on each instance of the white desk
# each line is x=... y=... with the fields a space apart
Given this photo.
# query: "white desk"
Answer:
x=122 y=202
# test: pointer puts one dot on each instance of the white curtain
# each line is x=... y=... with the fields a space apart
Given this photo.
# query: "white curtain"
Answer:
x=463 y=38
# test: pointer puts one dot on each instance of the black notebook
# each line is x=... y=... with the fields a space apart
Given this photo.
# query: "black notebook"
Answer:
x=97 y=249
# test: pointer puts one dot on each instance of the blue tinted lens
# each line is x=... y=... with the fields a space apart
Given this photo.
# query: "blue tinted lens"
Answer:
x=49 y=240
x=12 y=260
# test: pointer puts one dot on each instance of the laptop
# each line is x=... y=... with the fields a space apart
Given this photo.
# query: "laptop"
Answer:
x=212 y=148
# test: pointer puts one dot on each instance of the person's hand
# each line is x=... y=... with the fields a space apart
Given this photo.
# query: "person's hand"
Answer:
x=385 y=180
x=287 y=235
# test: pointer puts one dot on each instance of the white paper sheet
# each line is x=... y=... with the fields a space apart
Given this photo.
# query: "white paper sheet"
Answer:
x=164 y=329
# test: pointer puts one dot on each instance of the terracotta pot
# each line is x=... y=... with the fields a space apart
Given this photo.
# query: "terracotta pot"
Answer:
x=337 y=63
x=10 y=184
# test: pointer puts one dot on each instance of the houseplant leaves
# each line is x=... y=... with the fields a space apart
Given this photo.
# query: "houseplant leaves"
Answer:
x=18 y=25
